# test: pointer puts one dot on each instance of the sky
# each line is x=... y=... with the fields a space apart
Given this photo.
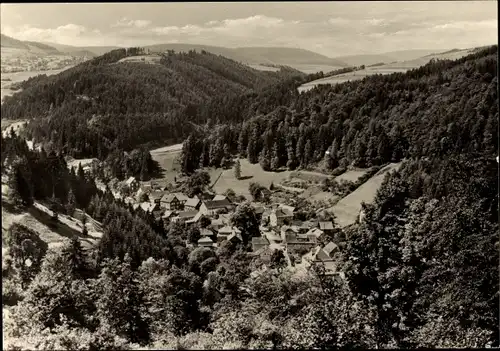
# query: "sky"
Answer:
x=329 y=28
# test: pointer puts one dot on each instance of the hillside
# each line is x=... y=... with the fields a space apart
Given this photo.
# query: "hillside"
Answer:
x=22 y=56
x=257 y=55
x=428 y=111
x=386 y=57
x=106 y=103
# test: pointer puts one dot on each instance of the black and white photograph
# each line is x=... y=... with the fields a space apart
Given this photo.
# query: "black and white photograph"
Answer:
x=250 y=175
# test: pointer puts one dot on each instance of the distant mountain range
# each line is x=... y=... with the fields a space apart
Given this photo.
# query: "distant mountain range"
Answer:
x=247 y=55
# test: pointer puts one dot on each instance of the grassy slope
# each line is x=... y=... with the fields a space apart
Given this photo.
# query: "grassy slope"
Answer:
x=347 y=209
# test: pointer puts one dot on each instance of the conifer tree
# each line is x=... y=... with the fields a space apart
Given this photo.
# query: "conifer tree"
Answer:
x=237 y=169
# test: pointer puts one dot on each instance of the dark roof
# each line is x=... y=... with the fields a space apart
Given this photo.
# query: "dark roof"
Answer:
x=212 y=205
x=187 y=214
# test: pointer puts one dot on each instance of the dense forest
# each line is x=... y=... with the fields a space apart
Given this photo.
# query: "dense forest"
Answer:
x=104 y=104
x=421 y=268
x=443 y=108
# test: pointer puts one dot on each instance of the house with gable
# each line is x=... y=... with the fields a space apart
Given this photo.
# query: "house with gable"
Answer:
x=210 y=208
x=280 y=216
x=192 y=204
x=205 y=242
x=155 y=196
x=171 y=202
x=224 y=232
x=184 y=216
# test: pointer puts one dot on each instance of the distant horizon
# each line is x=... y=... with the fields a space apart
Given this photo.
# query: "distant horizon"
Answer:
x=259 y=46
x=331 y=29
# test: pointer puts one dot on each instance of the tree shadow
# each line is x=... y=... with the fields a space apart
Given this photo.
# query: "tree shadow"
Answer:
x=246 y=177
x=156 y=171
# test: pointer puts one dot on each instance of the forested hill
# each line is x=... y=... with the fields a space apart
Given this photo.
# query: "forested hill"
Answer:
x=104 y=100
x=443 y=108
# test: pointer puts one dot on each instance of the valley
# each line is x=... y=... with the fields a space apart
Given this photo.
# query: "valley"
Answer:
x=247 y=192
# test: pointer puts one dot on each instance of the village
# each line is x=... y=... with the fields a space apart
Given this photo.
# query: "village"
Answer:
x=304 y=243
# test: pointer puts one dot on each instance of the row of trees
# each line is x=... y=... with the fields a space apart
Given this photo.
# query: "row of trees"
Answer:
x=36 y=175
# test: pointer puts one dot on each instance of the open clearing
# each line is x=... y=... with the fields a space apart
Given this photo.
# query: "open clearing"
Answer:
x=347 y=209
x=153 y=59
x=351 y=176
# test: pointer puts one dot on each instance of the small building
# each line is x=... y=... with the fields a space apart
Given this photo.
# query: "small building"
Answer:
x=225 y=218
x=272 y=237
x=181 y=197
x=210 y=208
x=320 y=257
x=192 y=204
x=205 y=242
x=235 y=238
x=149 y=207
x=195 y=219
x=326 y=227
x=132 y=183
x=315 y=233
x=184 y=216
x=280 y=216
x=224 y=232
x=167 y=215
x=216 y=224
x=156 y=196
x=259 y=243
x=330 y=249
x=171 y=202
x=206 y=232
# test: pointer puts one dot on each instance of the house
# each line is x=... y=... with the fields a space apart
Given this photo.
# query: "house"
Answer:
x=195 y=219
x=192 y=204
x=265 y=218
x=235 y=238
x=315 y=233
x=182 y=198
x=280 y=216
x=156 y=196
x=224 y=232
x=135 y=206
x=320 y=257
x=216 y=224
x=171 y=202
x=167 y=215
x=210 y=208
x=259 y=243
x=327 y=227
x=132 y=183
x=184 y=216
x=330 y=249
x=206 y=232
x=205 y=242
x=149 y=207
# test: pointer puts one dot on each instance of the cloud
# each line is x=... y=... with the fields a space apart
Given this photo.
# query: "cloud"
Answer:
x=125 y=23
x=68 y=34
x=337 y=35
